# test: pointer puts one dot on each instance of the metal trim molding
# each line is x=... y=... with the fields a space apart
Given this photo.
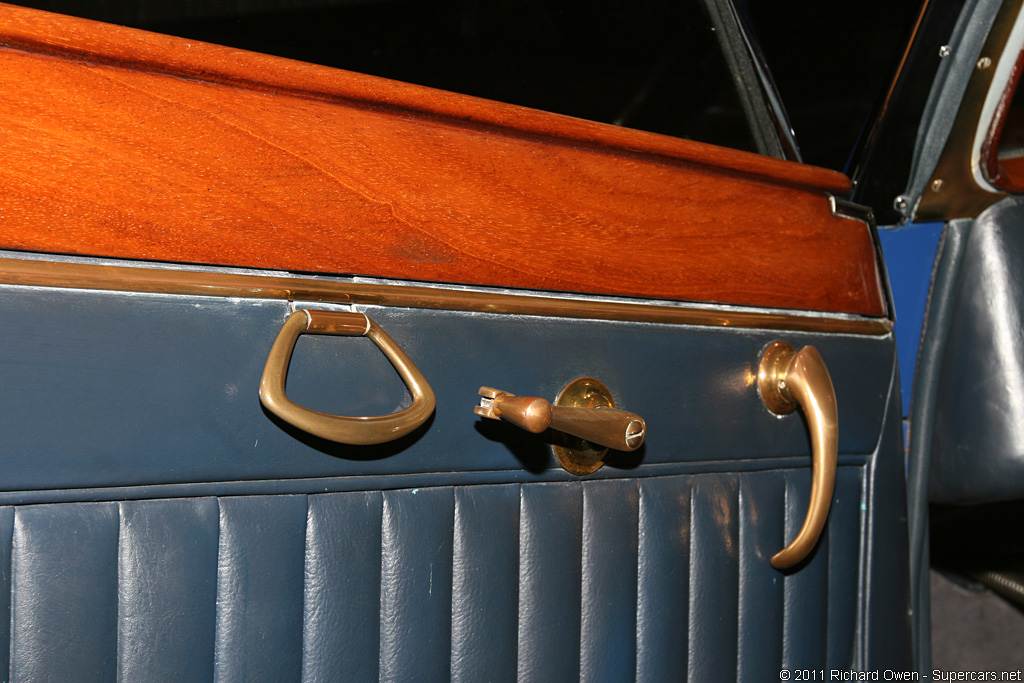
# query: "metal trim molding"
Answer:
x=60 y=274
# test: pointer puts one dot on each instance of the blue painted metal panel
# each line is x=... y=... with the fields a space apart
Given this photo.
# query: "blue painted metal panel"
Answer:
x=909 y=253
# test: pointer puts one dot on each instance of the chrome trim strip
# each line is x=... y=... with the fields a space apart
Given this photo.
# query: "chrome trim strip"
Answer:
x=847 y=209
x=77 y=275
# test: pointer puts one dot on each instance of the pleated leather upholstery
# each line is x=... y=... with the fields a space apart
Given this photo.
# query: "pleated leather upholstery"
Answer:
x=652 y=579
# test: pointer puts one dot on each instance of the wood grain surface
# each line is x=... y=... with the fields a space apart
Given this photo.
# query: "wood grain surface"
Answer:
x=1011 y=174
x=127 y=144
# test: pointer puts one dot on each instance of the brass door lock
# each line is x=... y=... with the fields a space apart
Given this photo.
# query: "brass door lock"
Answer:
x=584 y=415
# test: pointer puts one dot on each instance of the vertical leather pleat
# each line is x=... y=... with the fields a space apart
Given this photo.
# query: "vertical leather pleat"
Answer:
x=550 y=539
x=805 y=630
x=608 y=609
x=6 y=589
x=167 y=590
x=485 y=593
x=663 y=579
x=64 y=593
x=342 y=597
x=416 y=585
x=761 y=590
x=845 y=521
x=260 y=589
x=714 y=578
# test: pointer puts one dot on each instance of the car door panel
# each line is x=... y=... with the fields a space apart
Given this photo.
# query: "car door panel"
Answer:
x=423 y=559
x=556 y=579
x=122 y=403
x=170 y=161
x=148 y=497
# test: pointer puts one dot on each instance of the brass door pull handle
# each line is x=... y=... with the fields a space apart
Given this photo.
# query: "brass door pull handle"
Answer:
x=360 y=431
x=608 y=427
x=787 y=378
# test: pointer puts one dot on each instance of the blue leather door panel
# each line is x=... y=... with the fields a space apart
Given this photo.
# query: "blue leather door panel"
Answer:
x=550 y=578
x=64 y=593
x=416 y=552
x=160 y=525
x=112 y=390
x=343 y=569
x=260 y=588
x=662 y=578
x=168 y=559
x=485 y=633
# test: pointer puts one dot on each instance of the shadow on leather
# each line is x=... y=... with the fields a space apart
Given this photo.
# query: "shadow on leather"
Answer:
x=533 y=451
x=348 y=451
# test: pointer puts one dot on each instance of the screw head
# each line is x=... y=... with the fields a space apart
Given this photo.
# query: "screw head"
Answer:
x=635 y=433
x=936 y=184
x=984 y=63
x=945 y=51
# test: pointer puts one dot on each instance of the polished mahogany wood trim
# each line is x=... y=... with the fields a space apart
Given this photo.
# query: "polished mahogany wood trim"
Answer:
x=157 y=280
x=141 y=50
x=127 y=144
x=1011 y=174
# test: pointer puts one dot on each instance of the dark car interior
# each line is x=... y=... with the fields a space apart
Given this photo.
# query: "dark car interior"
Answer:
x=657 y=66
x=646 y=65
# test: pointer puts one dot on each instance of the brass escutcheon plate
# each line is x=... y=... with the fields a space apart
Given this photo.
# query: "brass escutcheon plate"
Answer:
x=575 y=455
x=771 y=378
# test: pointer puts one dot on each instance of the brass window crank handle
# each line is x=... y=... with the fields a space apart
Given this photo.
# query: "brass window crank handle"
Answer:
x=609 y=427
